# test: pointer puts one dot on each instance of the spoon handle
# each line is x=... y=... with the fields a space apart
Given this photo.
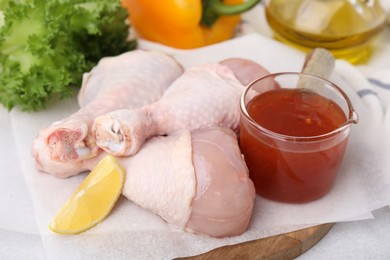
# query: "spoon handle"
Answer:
x=319 y=62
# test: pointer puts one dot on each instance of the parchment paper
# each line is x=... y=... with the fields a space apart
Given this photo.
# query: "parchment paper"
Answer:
x=33 y=198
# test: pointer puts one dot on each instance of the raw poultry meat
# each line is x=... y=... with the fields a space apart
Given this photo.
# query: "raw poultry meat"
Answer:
x=202 y=96
x=225 y=195
x=245 y=70
x=130 y=80
x=61 y=169
x=195 y=181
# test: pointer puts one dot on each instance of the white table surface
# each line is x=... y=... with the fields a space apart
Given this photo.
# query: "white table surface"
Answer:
x=365 y=239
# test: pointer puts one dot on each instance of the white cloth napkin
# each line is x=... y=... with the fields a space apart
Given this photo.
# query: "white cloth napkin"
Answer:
x=375 y=90
x=365 y=88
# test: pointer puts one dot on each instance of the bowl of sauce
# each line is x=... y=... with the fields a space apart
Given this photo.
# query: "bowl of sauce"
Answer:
x=294 y=135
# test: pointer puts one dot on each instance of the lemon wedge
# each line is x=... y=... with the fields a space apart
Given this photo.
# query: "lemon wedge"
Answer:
x=93 y=200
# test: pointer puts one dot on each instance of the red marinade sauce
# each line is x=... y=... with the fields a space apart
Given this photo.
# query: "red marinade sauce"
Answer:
x=292 y=175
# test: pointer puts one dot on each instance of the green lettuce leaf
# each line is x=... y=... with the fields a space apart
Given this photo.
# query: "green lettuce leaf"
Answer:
x=46 y=46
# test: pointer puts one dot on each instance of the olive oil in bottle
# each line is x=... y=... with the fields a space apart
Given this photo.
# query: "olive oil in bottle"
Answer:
x=344 y=27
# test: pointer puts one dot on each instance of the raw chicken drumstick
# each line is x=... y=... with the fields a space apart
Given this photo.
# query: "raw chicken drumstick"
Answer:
x=204 y=95
x=195 y=181
x=130 y=80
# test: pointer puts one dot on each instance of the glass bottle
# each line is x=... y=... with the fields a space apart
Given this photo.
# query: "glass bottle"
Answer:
x=344 y=27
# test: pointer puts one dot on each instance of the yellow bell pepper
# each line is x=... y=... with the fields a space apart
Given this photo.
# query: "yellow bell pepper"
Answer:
x=186 y=24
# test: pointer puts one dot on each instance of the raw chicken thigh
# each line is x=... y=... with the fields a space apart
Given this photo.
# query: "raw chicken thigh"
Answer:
x=205 y=95
x=130 y=80
x=198 y=181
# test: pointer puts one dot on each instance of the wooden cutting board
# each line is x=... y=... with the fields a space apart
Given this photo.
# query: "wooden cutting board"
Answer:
x=285 y=246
